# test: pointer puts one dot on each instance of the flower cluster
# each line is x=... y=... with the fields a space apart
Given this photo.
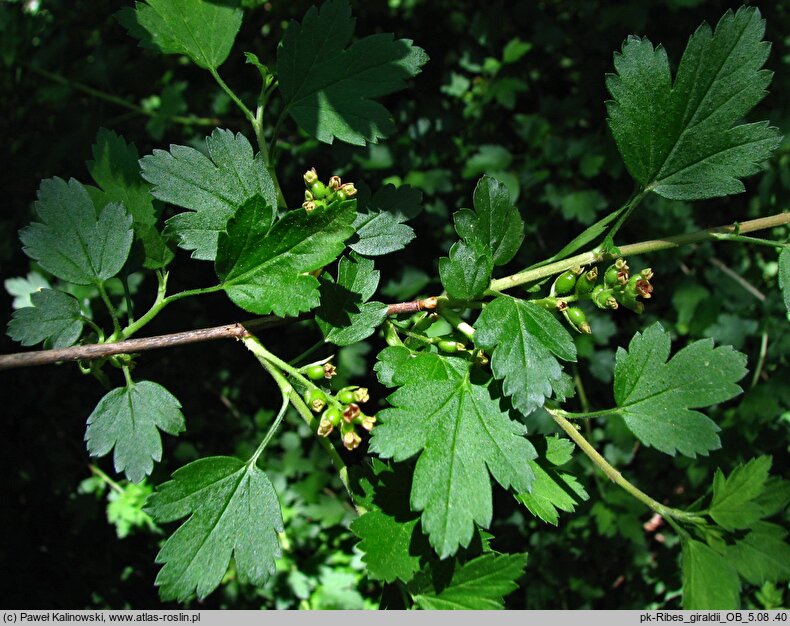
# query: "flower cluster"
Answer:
x=343 y=412
x=318 y=194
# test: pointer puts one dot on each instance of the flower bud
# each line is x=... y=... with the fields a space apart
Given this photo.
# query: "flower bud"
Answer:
x=351 y=440
x=325 y=427
x=350 y=412
x=368 y=421
x=335 y=183
x=309 y=206
x=329 y=370
x=331 y=415
x=310 y=176
x=347 y=190
x=361 y=395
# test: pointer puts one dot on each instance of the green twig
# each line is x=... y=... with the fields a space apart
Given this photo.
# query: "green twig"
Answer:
x=617 y=477
x=110 y=308
x=752 y=240
x=117 y=100
x=232 y=95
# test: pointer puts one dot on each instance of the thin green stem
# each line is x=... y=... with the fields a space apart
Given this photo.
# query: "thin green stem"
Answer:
x=752 y=240
x=110 y=308
x=617 y=477
x=306 y=414
x=160 y=303
x=456 y=322
x=586 y=414
x=127 y=374
x=597 y=255
x=105 y=479
x=96 y=328
x=117 y=100
x=128 y=297
x=312 y=349
x=285 y=390
x=232 y=95
x=627 y=209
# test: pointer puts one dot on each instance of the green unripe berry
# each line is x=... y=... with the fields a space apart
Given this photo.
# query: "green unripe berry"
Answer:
x=450 y=347
x=332 y=415
x=586 y=282
x=565 y=283
x=603 y=297
x=577 y=319
x=345 y=396
x=315 y=399
x=315 y=372
x=318 y=189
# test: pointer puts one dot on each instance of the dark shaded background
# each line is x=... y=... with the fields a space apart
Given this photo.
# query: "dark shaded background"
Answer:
x=59 y=551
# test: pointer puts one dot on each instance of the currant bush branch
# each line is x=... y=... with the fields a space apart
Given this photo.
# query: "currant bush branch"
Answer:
x=239 y=330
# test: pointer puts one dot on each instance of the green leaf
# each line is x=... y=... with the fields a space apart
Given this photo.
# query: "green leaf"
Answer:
x=380 y=233
x=403 y=202
x=385 y=542
x=733 y=505
x=265 y=269
x=127 y=419
x=397 y=366
x=116 y=170
x=72 y=241
x=466 y=273
x=681 y=140
x=553 y=491
x=346 y=316
x=488 y=158
x=55 y=317
x=211 y=187
x=709 y=580
x=22 y=288
x=495 y=222
x=461 y=433
x=525 y=340
x=329 y=87
x=784 y=275
x=763 y=555
x=202 y=30
x=480 y=584
x=655 y=397
x=233 y=512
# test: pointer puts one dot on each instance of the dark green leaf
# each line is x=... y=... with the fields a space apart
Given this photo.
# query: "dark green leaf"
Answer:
x=733 y=505
x=127 y=419
x=709 y=580
x=784 y=275
x=385 y=542
x=656 y=397
x=404 y=202
x=329 y=87
x=265 y=269
x=116 y=170
x=466 y=274
x=552 y=489
x=380 y=233
x=763 y=555
x=233 y=512
x=71 y=241
x=212 y=187
x=495 y=222
x=55 y=317
x=397 y=366
x=480 y=584
x=346 y=316
x=681 y=140
x=525 y=340
x=461 y=434
x=201 y=29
